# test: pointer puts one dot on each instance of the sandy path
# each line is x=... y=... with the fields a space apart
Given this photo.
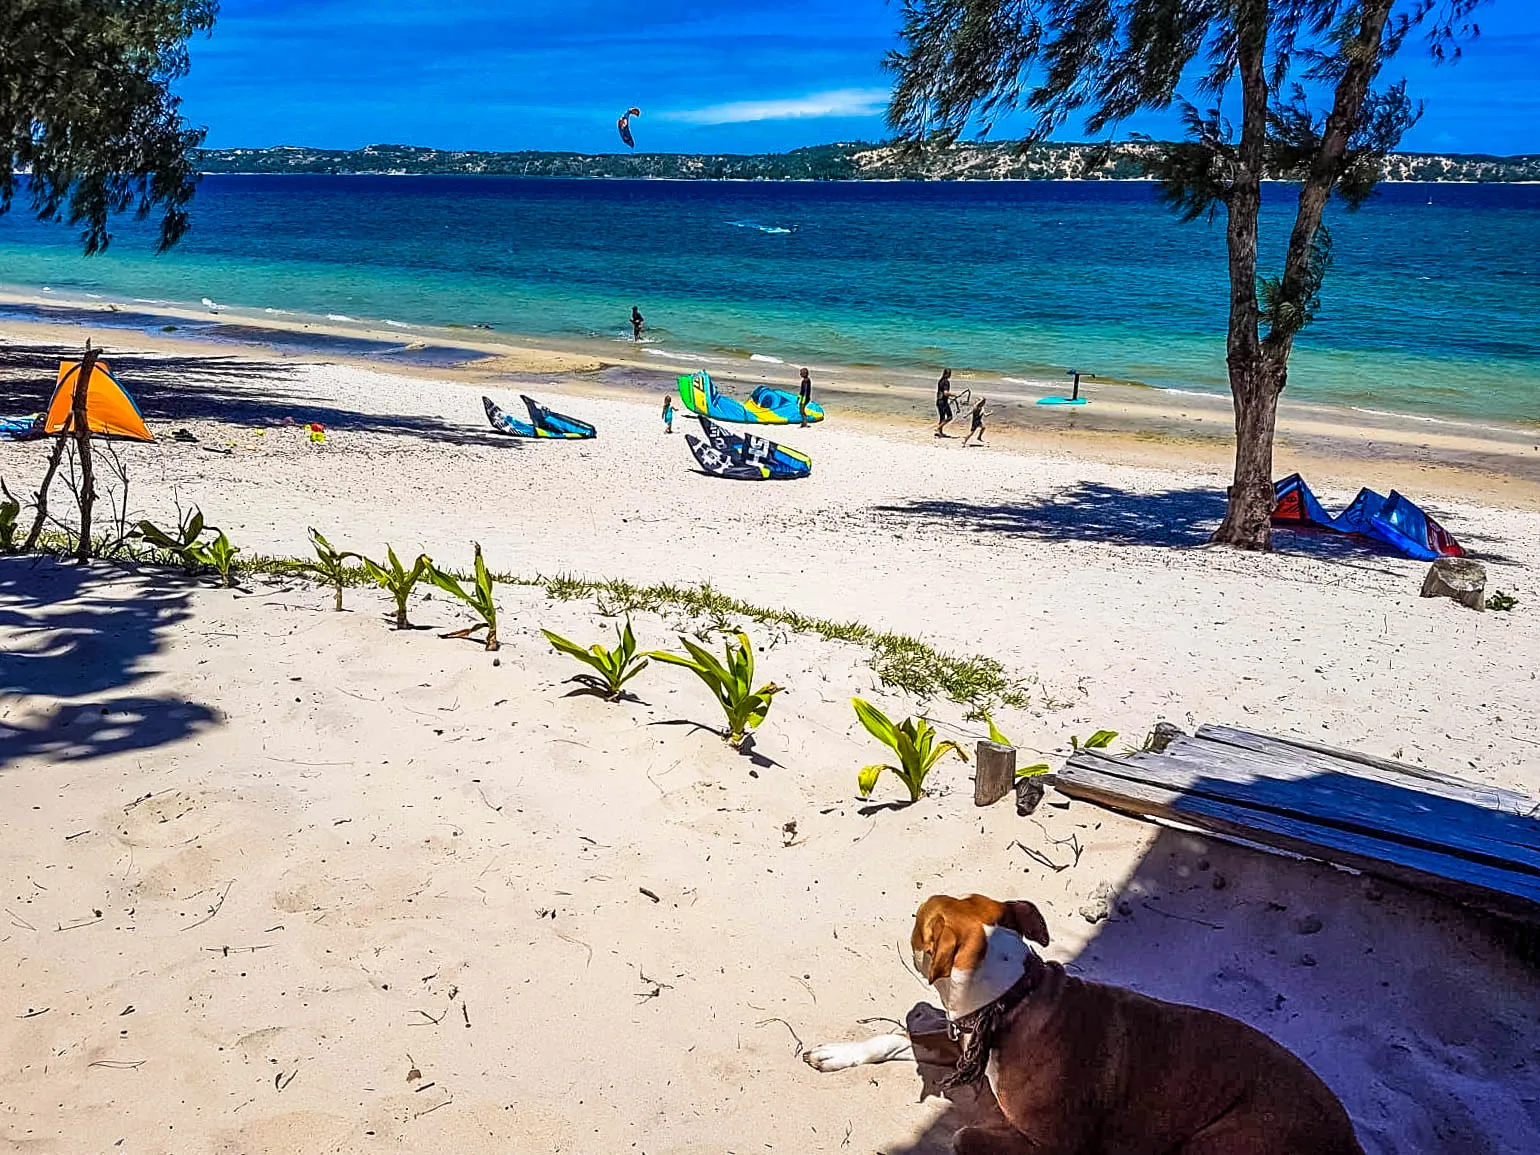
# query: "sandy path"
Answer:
x=385 y=817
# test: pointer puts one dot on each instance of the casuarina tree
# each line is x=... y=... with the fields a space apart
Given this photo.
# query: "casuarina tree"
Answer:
x=1312 y=110
x=87 y=111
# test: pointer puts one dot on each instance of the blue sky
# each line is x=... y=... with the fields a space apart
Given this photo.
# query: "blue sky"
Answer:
x=710 y=75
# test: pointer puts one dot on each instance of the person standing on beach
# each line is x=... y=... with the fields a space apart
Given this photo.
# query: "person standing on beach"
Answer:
x=976 y=424
x=668 y=413
x=943 y=402
x=804 y=397
x=637 y=323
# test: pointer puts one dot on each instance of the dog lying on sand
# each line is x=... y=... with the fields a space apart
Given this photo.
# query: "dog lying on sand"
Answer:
x=1081 y=1068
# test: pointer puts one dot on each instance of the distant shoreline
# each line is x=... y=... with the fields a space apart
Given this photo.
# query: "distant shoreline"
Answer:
x=850 y=161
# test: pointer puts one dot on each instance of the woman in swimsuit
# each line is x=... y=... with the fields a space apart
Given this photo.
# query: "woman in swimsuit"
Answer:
x=943 y=402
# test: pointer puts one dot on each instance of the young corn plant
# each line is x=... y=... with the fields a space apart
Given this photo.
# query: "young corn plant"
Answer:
x=1097 y=741
x=10 y=510
x=913 y=741
x=1000 y=739
x=614 y=667
x=478 y=597
x=183 y=543
x=330 y=566
x=219 y=555
x=397 y=580
x=731 y=682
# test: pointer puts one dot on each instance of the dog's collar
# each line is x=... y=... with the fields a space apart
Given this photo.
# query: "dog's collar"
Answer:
x=982 y=1025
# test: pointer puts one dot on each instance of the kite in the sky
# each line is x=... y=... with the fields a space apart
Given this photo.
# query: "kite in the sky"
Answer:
x=624 y=124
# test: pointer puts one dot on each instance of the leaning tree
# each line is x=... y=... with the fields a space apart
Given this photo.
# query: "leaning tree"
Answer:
x=87 y=110
x=1304 y=73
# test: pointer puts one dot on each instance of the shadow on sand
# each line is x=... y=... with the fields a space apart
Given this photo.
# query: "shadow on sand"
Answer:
x=1097 y=512
x=1422 y=1015
x=235 y=390
x=90 y=650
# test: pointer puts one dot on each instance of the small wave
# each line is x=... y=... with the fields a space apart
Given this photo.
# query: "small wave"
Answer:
x=211 y=306
x=766 y=358
x=773 y=230
x=1188 y=392
x=398 y=324
x=695 y=357
x=280 y=312
x=340 y=317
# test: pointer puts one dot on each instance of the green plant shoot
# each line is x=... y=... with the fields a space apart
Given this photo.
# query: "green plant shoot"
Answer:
x=913 y=741
x=614 y=667
x=478 y=597
x=1097 y=741
x=397 y=579
x=1499 y=601
x=730 y=682
x=183 y=543
x=330 y=565
x=10 y=510
x=219 y=554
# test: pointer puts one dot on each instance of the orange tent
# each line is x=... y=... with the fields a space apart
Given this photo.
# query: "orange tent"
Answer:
x=110 y=411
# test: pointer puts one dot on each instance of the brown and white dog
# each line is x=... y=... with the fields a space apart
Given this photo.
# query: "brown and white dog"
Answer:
x=1080 y=1068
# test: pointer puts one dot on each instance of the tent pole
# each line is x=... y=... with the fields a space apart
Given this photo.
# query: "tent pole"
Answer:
x=83 y=449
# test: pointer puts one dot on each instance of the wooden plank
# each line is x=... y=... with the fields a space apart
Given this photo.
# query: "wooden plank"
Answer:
x=1461 y=789
x=1500 y=891
x=1332 y=796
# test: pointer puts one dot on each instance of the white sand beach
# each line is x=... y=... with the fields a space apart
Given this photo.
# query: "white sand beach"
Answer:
x=280 y=879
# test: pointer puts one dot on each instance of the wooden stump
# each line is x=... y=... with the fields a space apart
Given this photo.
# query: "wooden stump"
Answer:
x=994 y=773
x=1459 y=578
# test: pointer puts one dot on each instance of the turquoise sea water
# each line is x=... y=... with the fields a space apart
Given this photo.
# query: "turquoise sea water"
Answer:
x=1433 y=306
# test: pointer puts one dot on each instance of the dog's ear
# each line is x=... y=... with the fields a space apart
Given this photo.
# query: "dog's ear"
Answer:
x=943 y=947
x=1026 y=920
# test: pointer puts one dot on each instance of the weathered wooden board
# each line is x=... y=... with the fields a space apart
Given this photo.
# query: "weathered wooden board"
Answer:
x=1333 y=794
x=1468 y=842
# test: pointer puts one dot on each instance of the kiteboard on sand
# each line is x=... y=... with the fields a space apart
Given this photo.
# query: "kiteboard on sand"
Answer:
x=766 y=406
x=1073 y=399
x=746 y=457
x=542 y=422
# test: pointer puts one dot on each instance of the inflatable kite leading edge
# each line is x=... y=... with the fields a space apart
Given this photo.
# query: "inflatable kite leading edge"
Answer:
x=766 y=406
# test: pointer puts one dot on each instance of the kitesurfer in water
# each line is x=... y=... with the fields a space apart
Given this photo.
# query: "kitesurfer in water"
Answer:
x=804 y=396
x=943 y=402
x=637 y=322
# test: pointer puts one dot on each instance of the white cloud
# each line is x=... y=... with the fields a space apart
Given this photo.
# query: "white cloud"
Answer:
x=838 y=102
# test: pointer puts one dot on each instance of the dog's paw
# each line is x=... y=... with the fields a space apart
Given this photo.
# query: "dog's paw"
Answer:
x=835 y=1056
x=838 y=1056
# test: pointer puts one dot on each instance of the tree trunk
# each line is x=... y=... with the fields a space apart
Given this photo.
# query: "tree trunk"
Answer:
x=1254 y=388
x=994 y=774
x=83 y=451
x=76 y=421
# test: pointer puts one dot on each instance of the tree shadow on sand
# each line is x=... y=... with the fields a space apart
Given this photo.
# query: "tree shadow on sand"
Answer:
x=75 y=633
x=1422 y=1015
x=234 y=390
x=1096 y=512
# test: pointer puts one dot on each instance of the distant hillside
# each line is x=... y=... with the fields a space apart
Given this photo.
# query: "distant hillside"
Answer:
x=851 y=161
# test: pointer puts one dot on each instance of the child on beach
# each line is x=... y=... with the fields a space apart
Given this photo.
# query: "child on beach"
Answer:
x=668 y=413
x=976 y=424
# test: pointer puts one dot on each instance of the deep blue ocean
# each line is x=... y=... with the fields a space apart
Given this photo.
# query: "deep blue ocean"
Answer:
x=1432 y=307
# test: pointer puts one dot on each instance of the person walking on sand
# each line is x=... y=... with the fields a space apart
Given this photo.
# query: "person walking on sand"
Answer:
x=637 y=323
x=976 y=423
x=804 y=397
x=668 y=413
x=943 y=402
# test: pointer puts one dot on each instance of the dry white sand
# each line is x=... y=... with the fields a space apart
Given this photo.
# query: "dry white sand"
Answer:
x=421 y=861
